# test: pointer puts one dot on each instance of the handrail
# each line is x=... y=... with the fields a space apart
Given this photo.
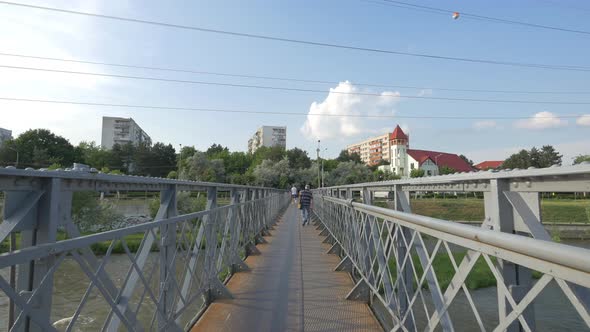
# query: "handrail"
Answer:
x=196 y=250
x=530 y=174
x=555 y=253
x=97 y=176
x=394 y=255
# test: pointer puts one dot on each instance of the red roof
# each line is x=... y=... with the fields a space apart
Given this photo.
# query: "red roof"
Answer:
x=489 y=164
x=441 y=159
x=398 y=133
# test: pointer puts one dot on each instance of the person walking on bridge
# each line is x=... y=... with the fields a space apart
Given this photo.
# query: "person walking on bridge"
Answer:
x=293 y=194
x=305 y=204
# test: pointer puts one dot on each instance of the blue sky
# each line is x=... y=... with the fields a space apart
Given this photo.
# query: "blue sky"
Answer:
x=351 y=22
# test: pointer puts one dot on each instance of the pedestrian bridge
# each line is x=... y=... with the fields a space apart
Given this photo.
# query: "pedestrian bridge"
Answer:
x=246 y=263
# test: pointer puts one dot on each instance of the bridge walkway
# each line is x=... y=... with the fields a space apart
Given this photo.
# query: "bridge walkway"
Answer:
x=291 y=286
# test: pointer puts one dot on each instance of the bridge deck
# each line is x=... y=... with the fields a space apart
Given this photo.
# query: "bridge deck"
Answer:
x=291 y=287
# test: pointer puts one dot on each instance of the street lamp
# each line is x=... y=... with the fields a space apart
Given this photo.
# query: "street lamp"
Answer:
x=323 y=175
x=319 y=171
x=179 y=161
x=17 y=155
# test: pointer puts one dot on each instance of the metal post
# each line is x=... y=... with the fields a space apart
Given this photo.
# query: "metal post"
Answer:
x=38 y=225
x=318 y=160
x=405 y=279
x=517 y=279
x=168 y=200
x=180 y=162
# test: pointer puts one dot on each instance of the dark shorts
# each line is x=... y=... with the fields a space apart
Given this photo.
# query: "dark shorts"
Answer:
x=294 y=195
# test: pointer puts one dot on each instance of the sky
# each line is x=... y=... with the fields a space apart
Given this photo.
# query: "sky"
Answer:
x=355 y=82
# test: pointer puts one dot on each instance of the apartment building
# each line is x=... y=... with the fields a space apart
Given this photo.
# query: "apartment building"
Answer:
x=268 y=136
x=372 y=150
x=5 y=135
x=122 y=131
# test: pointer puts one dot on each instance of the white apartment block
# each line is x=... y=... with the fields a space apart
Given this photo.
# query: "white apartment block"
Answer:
x=268 y=136
x=372 y=150
x=5 y=135
x=122 y=131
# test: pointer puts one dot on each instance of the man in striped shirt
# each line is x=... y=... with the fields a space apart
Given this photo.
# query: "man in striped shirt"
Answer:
x=306 y=204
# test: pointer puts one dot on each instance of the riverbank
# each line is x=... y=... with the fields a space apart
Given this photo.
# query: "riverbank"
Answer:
x=472 y=209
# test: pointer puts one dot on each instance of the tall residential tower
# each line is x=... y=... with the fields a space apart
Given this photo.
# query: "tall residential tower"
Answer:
x=268 y=136
x=122 y=131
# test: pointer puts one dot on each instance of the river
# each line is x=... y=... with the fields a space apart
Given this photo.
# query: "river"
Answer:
x=70 y=284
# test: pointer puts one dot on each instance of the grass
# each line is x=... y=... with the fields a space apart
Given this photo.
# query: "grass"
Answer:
x=479 y=277
x=472 y=209
x=99 y=248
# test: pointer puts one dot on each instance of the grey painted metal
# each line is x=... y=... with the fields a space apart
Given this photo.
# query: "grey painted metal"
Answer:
x=574 y=178
x=195 y=249
x=511 y=241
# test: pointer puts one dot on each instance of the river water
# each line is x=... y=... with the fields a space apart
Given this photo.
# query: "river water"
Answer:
x=70 y=284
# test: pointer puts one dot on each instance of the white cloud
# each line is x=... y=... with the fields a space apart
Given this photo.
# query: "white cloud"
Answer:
x=541 y=120
x=485 y=124
x=340 y=101
x=584 y=120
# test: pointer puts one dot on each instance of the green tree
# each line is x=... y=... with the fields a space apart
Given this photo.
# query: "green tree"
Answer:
x=344 y=156
x=521 y=160
x=215 y=151
x=467 y=160
x=545 y=157
x=581 y=158
x=274 y=153
x=237 y=162
x=447 y=170
x=162 y=159
x=38 y=148
x=93 y=155
x=273 y=174
x=417 y=173
x=549 y=157
x=349 y=172
x=298 y=158
x=330 y=164
x=199 y=168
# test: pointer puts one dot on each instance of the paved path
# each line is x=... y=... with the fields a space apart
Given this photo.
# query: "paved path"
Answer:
x=291 y=287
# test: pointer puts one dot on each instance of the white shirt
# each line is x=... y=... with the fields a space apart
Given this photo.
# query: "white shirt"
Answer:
x=293 y=191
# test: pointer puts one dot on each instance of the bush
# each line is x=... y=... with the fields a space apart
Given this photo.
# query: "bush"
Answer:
x=186 y=203
x=92 y=215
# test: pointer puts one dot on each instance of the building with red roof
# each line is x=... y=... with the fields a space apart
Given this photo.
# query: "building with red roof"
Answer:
x=396 y=150
x=489 y=164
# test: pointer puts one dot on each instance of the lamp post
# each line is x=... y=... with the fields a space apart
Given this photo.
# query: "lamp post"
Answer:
x=436 y=162
x=17 y=155
x=179 y=161
x=323 y=175
x=319 y=171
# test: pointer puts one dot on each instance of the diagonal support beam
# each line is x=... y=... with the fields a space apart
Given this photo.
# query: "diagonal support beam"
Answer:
x=18 y=206
x=335 y=249
x=361 y=292
x=113 y=322
x=344 y=265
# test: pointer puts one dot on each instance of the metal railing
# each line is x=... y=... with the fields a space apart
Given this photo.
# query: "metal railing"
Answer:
x=415 y=270
x=164 y=283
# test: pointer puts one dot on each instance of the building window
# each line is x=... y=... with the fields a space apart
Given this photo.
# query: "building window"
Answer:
x=412 y=166
x=429 y=173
